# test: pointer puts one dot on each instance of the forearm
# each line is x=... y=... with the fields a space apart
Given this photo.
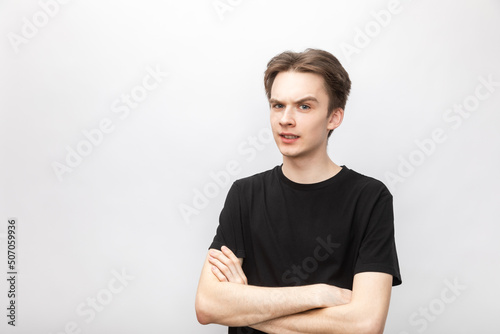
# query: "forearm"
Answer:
x=233 y=304
x=341 y=319
x=241 y=305
x=366 y=313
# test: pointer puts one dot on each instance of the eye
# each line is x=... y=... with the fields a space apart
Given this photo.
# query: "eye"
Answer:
x=277 y=106
x=304 y=107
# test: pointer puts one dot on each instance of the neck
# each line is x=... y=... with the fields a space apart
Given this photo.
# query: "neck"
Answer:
x=309 y=169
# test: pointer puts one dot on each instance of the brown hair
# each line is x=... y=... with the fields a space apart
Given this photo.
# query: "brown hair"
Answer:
x=337 y=82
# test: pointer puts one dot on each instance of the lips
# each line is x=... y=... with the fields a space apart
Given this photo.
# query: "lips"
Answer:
x=288 y=137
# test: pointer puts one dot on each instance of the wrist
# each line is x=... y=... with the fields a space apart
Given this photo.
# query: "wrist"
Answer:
x=320 y=295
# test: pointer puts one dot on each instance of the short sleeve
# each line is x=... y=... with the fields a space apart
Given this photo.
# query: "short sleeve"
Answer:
x=377 y=251
x=229 y=232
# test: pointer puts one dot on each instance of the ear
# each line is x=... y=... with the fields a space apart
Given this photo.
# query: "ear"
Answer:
x=335 y=119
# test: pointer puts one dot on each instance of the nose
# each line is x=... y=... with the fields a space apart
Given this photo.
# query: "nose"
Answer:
x=287 y=118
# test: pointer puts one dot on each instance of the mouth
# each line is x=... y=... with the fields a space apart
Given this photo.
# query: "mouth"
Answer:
x=288 y=137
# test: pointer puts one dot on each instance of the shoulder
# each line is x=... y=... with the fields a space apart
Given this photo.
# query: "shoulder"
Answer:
x=257 y=181
x=366 y=185
x=257 y=178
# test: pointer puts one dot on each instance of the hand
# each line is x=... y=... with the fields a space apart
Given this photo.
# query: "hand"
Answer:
x=226 y=266
x=334 y=296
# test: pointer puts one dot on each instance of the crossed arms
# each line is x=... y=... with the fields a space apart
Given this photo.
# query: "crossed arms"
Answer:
x=224 y=297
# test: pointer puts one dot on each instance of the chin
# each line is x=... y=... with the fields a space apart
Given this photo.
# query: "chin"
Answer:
x=290 y=153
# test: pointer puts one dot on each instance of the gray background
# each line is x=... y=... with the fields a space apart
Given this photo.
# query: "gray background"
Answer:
x=120 y=208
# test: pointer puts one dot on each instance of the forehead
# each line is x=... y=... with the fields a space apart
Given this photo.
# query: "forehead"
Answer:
x=295 y=85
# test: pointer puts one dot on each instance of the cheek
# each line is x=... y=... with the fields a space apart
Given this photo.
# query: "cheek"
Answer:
x=274 y=120
x=319 y=128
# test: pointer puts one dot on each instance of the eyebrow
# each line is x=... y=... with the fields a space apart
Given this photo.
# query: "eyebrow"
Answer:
x=302 y=100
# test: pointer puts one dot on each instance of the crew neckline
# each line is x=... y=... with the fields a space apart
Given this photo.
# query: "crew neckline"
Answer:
x=311 y=186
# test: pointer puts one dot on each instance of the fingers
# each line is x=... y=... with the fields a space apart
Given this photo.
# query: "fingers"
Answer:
x=235 y=263
x=220 y=261
x=228 y=265
x=223 y=265
x=220 y=276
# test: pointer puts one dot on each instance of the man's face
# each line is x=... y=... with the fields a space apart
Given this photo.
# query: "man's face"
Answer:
x=299 y=108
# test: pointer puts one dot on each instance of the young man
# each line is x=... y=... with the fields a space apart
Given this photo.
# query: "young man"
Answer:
x=308 y=246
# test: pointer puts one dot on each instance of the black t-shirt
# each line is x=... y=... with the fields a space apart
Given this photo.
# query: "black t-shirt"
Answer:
x=293 y=234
